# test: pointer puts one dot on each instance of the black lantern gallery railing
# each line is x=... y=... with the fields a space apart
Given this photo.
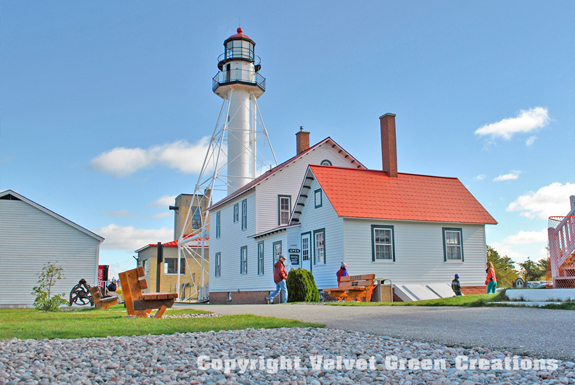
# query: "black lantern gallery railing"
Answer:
x=238 y=76
x=239 y=53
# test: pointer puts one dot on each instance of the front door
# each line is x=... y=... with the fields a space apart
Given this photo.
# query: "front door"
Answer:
x=306 y=251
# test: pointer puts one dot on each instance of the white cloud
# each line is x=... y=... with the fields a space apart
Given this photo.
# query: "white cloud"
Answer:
x=164 y=201
x=505 y=249
x=180 y=155
x=525 y=237
x=531 y=140
x=130 y=238
x=161 y=215
x=526 y=121
x=512 y=176
x=545 y=202
x=480 y=177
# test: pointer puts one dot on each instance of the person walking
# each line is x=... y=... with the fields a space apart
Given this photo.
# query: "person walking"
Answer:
x=491 y=280
x=280 y=276
x=342 y=272
x=456 y=286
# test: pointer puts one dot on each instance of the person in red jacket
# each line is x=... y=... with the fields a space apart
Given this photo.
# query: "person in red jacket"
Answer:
x=280 y=276
x=491 y=280
x=342 y=272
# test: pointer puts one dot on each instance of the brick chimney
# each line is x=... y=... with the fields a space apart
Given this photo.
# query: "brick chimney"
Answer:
x=388 y=147
x=301 y=140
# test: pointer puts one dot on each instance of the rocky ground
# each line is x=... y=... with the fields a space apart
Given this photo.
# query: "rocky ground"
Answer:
x=173 y=359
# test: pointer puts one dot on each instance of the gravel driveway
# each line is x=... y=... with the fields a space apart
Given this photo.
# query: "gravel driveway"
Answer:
x=535 y=332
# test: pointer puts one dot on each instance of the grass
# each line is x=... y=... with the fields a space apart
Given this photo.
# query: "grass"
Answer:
x=31 y=323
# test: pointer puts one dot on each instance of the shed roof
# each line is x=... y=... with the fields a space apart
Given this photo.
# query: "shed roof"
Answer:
x=359 y=193
x=13 y=195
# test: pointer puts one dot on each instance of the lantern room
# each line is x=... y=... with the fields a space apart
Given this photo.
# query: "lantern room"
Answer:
x=239 y=47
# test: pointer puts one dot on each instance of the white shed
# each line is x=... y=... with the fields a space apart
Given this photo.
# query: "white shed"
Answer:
x=31 y=236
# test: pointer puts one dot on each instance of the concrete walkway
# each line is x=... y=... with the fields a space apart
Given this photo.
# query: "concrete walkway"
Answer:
x=525 y=331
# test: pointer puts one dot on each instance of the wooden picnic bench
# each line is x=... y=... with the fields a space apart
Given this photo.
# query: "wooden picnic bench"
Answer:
x=100 y=302
x=353 y=288
x=141 y=304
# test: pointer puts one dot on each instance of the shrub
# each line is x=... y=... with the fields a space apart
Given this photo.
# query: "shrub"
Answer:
x=47 y=278
x=301 y=286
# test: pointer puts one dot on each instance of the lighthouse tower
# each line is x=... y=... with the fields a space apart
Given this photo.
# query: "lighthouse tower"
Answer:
x=240 y=83
x=239 y=150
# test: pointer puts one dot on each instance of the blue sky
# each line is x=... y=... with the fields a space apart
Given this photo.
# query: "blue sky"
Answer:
x=483 y=91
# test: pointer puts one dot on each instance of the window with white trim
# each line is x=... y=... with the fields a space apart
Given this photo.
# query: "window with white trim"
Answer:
x=382 y=243
x=171 y=266
x=284 y=209
x=244 y=260
x=453 y=244
x=245 y=214
x=261 y=258
x=305 y=247
x=319 y=246
x=236 y=212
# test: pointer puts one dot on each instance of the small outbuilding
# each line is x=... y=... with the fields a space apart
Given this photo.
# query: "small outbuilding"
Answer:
x=32 y=236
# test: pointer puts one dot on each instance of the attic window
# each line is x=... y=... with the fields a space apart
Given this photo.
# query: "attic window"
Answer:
x=10 y=197
x=326 y=162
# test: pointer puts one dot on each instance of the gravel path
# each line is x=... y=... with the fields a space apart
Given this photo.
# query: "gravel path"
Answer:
x=173 y=359
x=525 y=331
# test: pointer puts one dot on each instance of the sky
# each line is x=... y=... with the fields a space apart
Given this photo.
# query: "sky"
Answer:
x=105 y=106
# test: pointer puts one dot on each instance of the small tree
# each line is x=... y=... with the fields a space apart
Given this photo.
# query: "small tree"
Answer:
x=49 y=275
x=504 y=267
x=534 y=271
x=301 y=286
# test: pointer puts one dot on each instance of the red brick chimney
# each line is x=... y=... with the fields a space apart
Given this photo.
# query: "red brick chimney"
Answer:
x=388 y=148
x=301 y=140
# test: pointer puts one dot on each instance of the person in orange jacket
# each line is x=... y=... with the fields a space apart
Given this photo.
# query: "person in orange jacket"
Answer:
x=491 y=280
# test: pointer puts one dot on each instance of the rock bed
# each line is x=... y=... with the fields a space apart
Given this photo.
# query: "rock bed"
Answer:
x=173 y=359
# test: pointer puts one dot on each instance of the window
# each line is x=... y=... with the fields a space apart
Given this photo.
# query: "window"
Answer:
x=236 y=212
x=197 y=218
x=218 y=270
x=319 y=246
x=146 y=266
x=244 y=260
x=284 y=209
x=277 y=250
x=326 y=162
x=305 y=246
x=261 y=258
x=171 y=265
x=244 y=214
x=318 y=198
x=452 y=244
x=382 y=242
x=218 y=225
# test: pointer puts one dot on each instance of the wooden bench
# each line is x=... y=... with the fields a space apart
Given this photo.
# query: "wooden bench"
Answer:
x=354 y=288
x=141 y=304
x=101 y=303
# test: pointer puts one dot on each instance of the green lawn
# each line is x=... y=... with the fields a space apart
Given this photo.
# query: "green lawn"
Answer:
x=475 y=300
x=31 y=323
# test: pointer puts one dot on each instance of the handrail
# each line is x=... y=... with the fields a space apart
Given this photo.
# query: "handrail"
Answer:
x=237 y=75
x=240 y=53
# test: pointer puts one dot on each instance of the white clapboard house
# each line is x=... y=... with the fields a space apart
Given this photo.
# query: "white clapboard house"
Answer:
x=30 y=237
x=323 y=207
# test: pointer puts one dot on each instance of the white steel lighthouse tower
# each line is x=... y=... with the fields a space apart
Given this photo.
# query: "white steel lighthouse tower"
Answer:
x=236 y=154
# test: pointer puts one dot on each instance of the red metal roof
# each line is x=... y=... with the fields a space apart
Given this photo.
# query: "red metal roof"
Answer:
x=239 y=34
x=272 y=171
x=373 y=194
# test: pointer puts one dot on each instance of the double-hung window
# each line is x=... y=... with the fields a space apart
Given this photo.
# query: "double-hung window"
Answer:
x=236 y=212
x=218 y=225
x=284 y=208
x=382 y=242
x=261 y=258
x=245 y=214
x=452 y=244
x=218 y=270
x=319 y=246
x=244 y=260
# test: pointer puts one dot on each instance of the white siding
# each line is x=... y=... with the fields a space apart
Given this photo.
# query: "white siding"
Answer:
x=30 y=238
x=288 y=181
x=324 y=217
x=418 y=252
